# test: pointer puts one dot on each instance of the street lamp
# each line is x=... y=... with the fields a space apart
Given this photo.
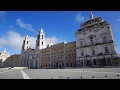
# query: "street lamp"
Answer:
x=83 y=65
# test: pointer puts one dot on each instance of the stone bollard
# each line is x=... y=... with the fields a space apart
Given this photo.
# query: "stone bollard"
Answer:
x=118 y=75
x=105 y=75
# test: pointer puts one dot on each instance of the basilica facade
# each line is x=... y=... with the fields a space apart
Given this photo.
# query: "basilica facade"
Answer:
x=94 y=46
x=60 y=55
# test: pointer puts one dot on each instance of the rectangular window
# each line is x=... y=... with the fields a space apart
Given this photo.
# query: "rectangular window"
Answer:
x=82 y=54
x=80 y=43
x=93 y=52
x=42 y=43
x=106 y=50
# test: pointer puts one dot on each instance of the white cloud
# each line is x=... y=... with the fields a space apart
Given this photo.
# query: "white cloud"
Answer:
x=2 y=13
x=79 y=17
x=24 y=25
x=14 y=41
x=54 y=40
x=2 y=42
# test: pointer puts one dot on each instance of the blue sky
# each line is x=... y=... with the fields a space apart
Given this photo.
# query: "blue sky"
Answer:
x=58 y=25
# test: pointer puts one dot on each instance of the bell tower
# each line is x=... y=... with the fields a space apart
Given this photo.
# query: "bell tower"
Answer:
x=40 y=42
x=26 y=44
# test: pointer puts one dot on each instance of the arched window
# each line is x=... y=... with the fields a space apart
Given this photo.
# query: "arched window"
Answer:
x=81 y=43
x=91 y=40
x=82 y=54
x=104 y=39
x=27 y=42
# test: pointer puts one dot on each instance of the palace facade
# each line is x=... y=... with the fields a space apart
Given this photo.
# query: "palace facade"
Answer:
x=94 y=47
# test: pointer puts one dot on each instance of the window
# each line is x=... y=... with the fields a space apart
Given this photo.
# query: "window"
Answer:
x=82 y=54
x=93 y=52
x=37 y=55
x=67 y=64
x=42 y=43
x=36 y=62
x=91 y=40
x=74 y=49
x=24 y=42
x=71 y=64
x=21 y=63
x=66 y=51
x=106 y=50
x=42 y=36
x=27 y=42
x=80 y=43
x=104 y=38
x=70 y=51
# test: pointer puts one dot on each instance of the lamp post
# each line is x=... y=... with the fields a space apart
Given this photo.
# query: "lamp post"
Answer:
x=83 y=65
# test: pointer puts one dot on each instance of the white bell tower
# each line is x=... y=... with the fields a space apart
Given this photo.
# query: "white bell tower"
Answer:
x=40 y=42
x=26 y=43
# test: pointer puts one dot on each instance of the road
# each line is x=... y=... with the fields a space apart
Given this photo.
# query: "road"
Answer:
x=87 y=73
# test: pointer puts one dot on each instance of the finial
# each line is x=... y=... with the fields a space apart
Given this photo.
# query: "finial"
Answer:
x=91 y=16
x=41 y=30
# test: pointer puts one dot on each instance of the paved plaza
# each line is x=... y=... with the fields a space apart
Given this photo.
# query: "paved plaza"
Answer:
x=79 y=73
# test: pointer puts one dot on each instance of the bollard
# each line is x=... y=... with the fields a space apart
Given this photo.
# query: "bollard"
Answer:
x=105 y=75
x=118 y=75
x=68 y=77
x=92 y=76
x=81 y=77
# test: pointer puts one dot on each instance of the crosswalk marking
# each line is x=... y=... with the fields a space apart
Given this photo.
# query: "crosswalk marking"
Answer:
x=25 y=76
